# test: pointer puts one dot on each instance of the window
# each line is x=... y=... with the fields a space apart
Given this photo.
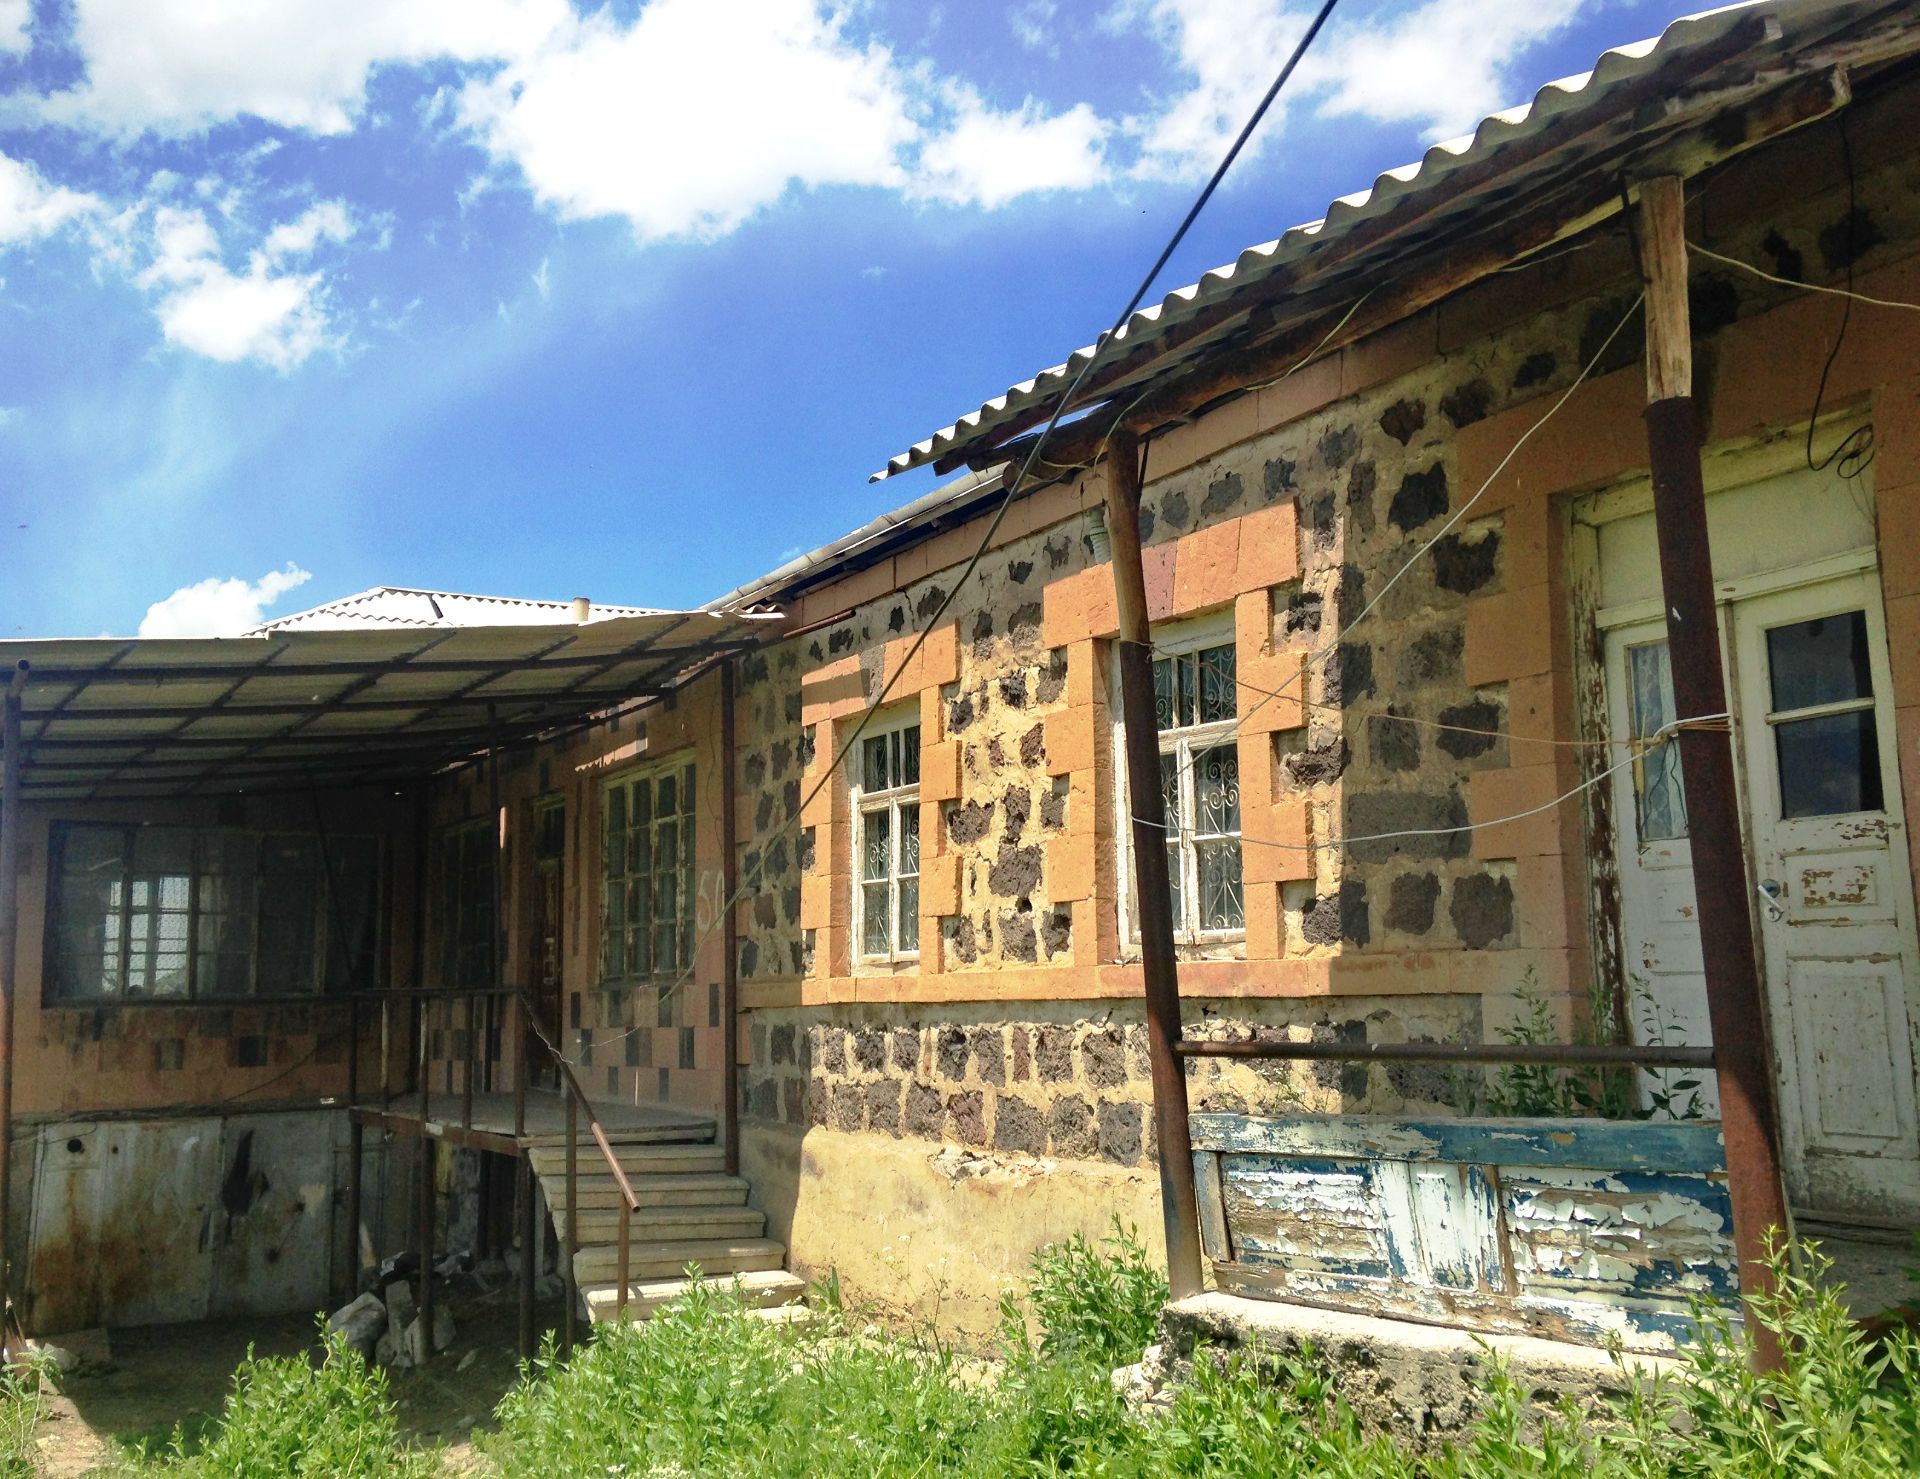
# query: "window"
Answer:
x=646 y=923
x=886 y=844
x=466 y=903
x=1659 y=793
x=1825 y=734
x=186 y=913
x=1195 y=703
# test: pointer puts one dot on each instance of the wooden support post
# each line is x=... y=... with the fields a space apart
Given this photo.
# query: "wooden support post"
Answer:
x=523 y=1208
x=1159 y=966
x=11 y=825
x=423 y=1220
x=1736 y=1004
x=729 y=973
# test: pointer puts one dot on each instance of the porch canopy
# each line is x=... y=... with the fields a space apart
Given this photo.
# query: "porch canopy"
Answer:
x=129 y=718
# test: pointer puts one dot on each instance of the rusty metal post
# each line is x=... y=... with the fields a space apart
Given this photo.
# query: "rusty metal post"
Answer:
x=1736 y=1004
x=729 y=972
x=569 y=1277
x=356 y=1145
x=1159 y=966
x=11 y=824
x=423 y=1219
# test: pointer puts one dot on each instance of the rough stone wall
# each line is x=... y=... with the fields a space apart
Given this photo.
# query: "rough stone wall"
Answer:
x=772 y=754
x=1049 y=1079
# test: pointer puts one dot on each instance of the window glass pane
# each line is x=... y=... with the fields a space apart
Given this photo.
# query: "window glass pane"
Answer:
x=665 y=897
x=1216 y=684
x=1170 y=790
x=1823 y=661
x=873 y=763
x=640 y=804
x=1828 y=765
x=640 y=850
x=665 y=956
x=636 y=957
x=875 y=844
x=686 y=792
x=873 y=919
x=616 y=814
x=1221 y=905
x=1163 y=711
x=666 y=844
x=1216 y=790
x=1661 y=796
x=353 y=927
x=90 y=904
x=910 y=914
x=667 y=801
x=1176 y=886
x=909 y=815
x=910 y=755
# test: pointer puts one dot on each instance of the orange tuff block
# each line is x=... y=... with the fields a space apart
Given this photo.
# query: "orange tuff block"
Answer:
x=1270 y=692
x=1069 y=741
x=1265 y=927
x=834 y=690
x=1494 y=794
x=1082 y=675
x=940 y=771
x=1510 y=635
x=940 y=885
x=1157 y=572
x=1207 y=568
x=1070 y=868
x=1079 y=606
x=1276 y=842
x=1269 y=548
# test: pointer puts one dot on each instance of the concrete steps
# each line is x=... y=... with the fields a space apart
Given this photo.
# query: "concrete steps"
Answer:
x=691 y=1213
x=774 y=1292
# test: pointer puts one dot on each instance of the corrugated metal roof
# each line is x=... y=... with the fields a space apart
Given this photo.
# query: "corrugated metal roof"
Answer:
x=151 y=717
x=1745 y=36
x=394 y=605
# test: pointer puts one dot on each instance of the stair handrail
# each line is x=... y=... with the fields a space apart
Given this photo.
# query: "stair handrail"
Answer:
x=629 y=1203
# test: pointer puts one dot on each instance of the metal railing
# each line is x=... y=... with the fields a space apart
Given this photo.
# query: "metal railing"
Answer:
x=491 y=1017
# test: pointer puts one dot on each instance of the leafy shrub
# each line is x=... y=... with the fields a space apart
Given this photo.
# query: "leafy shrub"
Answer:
x=288 y=1417
x=1093 y=1306
x=22 y=1405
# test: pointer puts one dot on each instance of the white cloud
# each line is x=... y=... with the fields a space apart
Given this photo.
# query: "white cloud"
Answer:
x=30 y=207
x=11 y=416
x=989 y=158
x=181 y=66
x=697 y=115
x=1442 y=64
x=543 y=279
x=15 y=16
x=217 y=607
x=1030 y=22
x=276 y=318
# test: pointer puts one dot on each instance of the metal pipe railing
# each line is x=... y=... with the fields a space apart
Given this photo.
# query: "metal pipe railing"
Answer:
x=1573 y=1055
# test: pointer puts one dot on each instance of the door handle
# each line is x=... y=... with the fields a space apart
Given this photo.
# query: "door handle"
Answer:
x=1769 y=891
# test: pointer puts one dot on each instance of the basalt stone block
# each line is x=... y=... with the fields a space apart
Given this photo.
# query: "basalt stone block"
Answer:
x=1338 y=916
x=1433 y=657
x=1536 y=369
x=1056 y=932
x=1054 y=1053
x=1468 y=403
x=906 y=1049
x=1464 y=566
x=1410 y=903
x=870 y=1048
x=1223 y=495
x=1481 y=909
x=1175 y=510
x=959 y=713
x=1396 y=743
x=1103 y=1058
x=1439 y=822
x=1119 y=1131
x=967 y=1117
x=1022 y=1055
x=1422 y=498
x=883 y=1106
x=950 y=1052
x=1023 y=627
x=819 y=1102
x=1338 y=444
x=832 y=1052
x=849 y=1106
x=1017 y=937
x=1016 y=872
x=926 y=1111
x=1018 y=1126
x=1052 y=683
x=763 y=1100
x=794 y=1093
x=780 y=1043
x=1016 y=805
x=1277 y=478
x=1071 y=1130
x=967 y=824
x=989 y=1054
x=1348 y=675
x=1463 y=742
x=1404 y=418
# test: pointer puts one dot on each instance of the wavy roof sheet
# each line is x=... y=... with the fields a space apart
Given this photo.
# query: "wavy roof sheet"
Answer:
x=1778 y=29
x=394 y=605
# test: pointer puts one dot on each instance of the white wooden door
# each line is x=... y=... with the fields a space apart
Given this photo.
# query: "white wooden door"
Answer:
x=1836 y=896
x=1813 y=729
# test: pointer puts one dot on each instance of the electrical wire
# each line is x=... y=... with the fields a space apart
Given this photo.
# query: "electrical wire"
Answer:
x=1810 y=287
x=1013 y=484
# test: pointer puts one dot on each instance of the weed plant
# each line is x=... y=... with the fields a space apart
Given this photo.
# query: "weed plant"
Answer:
x=706 y=1388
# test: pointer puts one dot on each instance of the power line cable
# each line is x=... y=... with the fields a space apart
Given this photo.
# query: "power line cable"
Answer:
x=1013 y=485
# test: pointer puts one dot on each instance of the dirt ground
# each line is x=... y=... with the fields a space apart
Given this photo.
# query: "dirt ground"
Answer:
x=163 y=1376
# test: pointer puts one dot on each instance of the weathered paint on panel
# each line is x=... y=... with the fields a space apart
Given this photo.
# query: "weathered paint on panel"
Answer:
x=1379 y=1215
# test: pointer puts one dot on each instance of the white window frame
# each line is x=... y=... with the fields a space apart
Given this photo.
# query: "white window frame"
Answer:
x=895 y=801
x=1176 y=639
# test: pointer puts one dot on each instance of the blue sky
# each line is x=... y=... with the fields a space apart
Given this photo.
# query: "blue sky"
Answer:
x=303 y=296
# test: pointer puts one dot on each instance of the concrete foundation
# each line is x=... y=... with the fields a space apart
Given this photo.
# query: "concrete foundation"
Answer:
x=1419 y=1383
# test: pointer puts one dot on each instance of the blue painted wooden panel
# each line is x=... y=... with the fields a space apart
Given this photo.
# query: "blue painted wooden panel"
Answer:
x=1498 y=1225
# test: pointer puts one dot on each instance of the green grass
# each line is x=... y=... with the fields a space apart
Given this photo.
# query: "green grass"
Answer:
x=707 y=1389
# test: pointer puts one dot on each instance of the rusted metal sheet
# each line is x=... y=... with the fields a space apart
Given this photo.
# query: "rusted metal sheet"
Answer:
x=1581 y=1230
x=146 y=1222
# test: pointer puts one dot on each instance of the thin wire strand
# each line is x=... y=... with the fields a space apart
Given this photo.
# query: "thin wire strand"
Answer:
x=1811 y=287
x=1660 y=736
x=791 y=823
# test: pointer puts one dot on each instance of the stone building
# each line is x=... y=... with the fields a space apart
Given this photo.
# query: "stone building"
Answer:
x=859 y=892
